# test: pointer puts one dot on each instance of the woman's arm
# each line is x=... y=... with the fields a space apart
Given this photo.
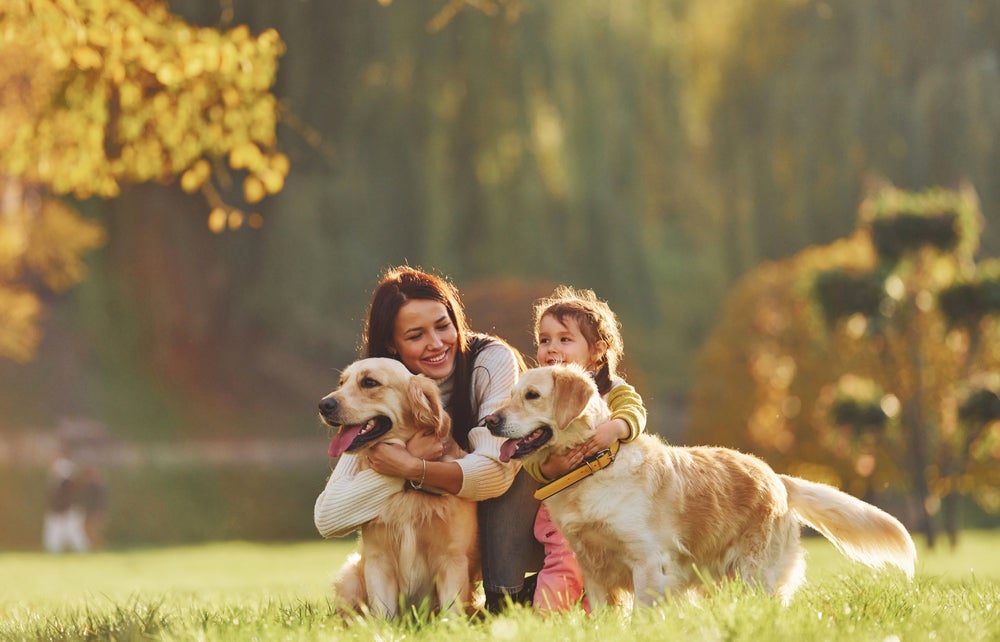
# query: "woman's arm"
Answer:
x=480 y=474
x=477 y=476
x=484 y=475
x=396 y=461
x=352 y=497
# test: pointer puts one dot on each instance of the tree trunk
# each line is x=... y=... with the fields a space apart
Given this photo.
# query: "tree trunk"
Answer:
x=949 y=513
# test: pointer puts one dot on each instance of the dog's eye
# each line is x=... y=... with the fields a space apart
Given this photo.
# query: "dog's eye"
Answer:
x=368 y=382
x=532 y=395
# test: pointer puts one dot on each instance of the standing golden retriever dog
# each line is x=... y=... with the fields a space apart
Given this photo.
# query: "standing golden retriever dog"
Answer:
x=660 y=518
x=423 y=545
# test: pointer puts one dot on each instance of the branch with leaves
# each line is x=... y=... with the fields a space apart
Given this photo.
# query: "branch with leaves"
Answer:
x=98 y=94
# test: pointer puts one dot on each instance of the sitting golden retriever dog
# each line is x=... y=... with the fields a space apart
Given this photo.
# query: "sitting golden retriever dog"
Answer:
x=423 y=545
x=659 y=518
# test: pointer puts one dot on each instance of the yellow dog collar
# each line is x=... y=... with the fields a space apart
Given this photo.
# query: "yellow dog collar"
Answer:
x=590 y=465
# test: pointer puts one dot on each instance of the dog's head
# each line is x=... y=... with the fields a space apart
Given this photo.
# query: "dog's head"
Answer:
x=379 y=399
x=550 y=407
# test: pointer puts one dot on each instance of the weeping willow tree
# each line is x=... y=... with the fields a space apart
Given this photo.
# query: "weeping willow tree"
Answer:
x=106 y=93
x=545 y=148
x=794 y=103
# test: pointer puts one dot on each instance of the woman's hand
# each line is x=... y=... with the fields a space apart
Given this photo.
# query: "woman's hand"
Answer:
x=395 y=461
x=426 y=445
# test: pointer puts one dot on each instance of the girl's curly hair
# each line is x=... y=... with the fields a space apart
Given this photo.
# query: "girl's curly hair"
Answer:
x=597 y=323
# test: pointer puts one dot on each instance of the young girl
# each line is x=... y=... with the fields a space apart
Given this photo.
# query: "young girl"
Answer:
x=574 y=326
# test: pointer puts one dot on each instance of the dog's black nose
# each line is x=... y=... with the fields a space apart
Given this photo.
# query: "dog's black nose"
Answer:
x=493 y=422
x=327 y=405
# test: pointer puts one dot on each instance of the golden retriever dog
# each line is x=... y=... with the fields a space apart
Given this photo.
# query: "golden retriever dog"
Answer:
x=423 y=546
x=660 y=518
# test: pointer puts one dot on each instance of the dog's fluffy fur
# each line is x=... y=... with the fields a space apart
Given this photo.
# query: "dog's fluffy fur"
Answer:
x=423 y=546
x=661 y=518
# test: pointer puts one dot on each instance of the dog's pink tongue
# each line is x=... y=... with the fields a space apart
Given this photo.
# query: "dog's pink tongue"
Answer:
x=507 y=449
x=342 y=440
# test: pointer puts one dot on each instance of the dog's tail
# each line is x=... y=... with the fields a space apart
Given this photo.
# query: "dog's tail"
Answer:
x=858 y=530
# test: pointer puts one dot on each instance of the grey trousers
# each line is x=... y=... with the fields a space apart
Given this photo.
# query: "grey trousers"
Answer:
x=506 y=537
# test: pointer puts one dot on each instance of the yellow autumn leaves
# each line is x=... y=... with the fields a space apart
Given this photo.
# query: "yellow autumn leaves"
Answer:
x=95 y=94
x=45 y=237
x=142 y=96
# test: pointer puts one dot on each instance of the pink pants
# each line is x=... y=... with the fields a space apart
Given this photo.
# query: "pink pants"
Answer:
x=560 y=582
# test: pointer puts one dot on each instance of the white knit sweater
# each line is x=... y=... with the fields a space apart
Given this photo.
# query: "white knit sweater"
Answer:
x=352 y=496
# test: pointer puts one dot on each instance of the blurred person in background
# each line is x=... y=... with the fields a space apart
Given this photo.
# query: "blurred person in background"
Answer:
x=64 y=519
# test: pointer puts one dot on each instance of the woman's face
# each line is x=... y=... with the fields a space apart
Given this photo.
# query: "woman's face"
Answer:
x=425 y=338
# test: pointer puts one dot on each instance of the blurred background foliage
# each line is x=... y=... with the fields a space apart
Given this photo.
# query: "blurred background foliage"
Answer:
x=222 y=182
x=853 y=366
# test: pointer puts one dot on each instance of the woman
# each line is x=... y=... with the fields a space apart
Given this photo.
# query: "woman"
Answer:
x=417 y=318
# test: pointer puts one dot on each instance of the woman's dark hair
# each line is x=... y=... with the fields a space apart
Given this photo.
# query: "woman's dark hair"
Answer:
x=404 y=283
x=397 y=286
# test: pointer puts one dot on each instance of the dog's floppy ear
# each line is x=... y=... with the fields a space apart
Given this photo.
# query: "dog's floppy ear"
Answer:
x=570 y=395
x=425 y=404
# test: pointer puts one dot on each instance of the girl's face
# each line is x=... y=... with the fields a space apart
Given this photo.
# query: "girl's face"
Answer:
x=424 y=338
x=560 y=342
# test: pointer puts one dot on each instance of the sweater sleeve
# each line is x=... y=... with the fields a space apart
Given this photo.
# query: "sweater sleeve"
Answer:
x=625 y=403
x=493 y=377
x=352 y=497
x=483 y=474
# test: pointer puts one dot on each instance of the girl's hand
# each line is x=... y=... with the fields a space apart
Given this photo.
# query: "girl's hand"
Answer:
x=558 y=464
x=426 y=445
x=604 y=435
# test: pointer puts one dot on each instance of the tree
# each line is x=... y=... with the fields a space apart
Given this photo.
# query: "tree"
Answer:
x=98 y=94
x=762 y=369
x=794 y=102
x=924 y=309
x=873 y=360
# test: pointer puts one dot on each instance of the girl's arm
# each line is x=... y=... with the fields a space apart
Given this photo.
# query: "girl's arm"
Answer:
x=626 y=404
x=556 y=464
x=628 y=419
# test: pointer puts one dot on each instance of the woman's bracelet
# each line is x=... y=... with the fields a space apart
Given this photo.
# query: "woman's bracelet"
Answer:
x=423 y=475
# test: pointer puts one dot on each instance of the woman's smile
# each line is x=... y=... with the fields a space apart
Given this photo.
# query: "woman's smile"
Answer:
x=425 y=337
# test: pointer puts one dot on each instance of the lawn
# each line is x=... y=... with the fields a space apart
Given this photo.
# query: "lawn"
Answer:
x=242 y=591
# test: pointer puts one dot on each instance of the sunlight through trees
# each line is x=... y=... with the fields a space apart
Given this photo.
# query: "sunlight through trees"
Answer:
x=100 y=94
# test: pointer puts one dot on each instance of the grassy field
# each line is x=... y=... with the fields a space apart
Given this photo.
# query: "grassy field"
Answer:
x=240 y=591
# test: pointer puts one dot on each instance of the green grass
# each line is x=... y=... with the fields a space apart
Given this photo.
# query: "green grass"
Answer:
x=241 y=591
